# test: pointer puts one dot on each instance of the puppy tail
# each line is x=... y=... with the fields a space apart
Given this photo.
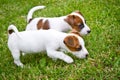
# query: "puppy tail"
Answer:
x=30 y=13
x=12 y=29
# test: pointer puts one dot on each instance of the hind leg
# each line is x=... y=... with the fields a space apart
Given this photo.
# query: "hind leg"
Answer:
x=16 y=56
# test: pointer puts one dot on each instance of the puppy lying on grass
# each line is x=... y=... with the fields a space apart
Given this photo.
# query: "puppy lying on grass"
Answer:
x=74 y=20
x=45 y=40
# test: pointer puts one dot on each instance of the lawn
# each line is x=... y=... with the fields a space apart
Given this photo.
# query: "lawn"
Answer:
x=103 y=43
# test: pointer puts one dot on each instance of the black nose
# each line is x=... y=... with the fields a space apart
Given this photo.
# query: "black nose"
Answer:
x=86 y=55
x=89 y=31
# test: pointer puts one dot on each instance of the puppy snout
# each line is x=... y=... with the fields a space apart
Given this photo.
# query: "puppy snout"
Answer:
x=89 y=31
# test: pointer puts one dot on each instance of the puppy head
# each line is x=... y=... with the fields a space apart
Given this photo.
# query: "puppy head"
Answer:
x=77 y=21
x=75 y=45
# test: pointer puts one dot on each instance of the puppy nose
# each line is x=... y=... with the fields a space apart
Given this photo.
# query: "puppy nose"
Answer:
x=88 y=31
x=86 y=55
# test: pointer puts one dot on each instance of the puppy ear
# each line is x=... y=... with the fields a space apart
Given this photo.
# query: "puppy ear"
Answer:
x=77 y=11
x=70 y=19
x=72 y=43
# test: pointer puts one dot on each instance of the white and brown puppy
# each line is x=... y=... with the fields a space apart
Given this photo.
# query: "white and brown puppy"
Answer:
x=45 y=40
x=75 y=20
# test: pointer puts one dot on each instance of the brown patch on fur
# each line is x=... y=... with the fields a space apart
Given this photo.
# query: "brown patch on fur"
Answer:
x=79 y=12
x=10 y=31
x=40 y=24
x=72 y=43
x=46 y=25
x=30 y=20
x=74 y=21
x=75 y=32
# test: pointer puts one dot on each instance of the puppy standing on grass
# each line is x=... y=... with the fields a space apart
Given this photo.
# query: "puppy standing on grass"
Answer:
x=75 y=20
x=37 y=41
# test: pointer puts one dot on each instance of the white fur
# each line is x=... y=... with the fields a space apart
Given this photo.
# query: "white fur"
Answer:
x=42 y=40
x=57 y=23
x=32 y=11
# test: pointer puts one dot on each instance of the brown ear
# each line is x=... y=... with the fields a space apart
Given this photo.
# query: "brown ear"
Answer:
x=70 y=19
x=74 y=21
x=77 y=11
x=72 y=43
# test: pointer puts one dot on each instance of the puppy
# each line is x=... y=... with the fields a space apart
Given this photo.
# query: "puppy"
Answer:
x=75 y=20
x=45 y=40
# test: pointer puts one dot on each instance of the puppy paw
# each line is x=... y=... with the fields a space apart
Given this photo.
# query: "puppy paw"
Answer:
x=68 y=59
x=18 y=63
x=21 y=65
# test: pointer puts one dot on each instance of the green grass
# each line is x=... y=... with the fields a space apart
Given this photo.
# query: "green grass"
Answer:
x=103 y=43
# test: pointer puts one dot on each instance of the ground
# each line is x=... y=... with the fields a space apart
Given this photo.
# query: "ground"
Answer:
x=103 y=43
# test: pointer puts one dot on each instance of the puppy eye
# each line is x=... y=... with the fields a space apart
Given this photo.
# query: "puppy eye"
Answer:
x=81 y=26
x=79 y=48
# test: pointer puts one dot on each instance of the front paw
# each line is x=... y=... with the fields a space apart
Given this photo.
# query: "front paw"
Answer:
x=68 y=59
x=18 y=63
